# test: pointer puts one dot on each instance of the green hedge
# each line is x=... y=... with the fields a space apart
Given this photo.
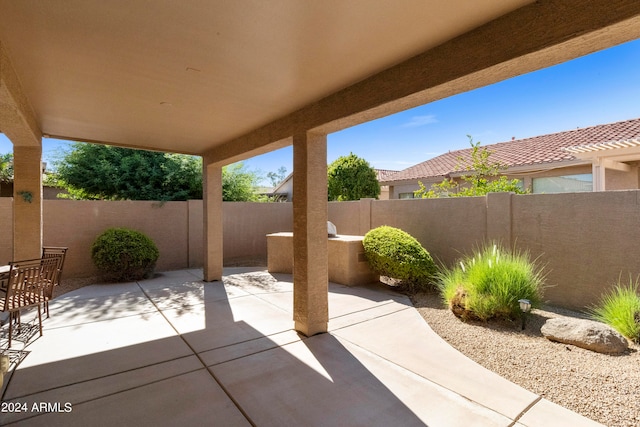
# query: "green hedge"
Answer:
x=394 y=253
x=122 y=255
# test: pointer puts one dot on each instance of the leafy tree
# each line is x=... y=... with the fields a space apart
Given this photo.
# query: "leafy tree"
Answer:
x=6 y=167
x=276 y=177
x=483 y=177
x=239 y=183
x=92 y=171
x=351 y=178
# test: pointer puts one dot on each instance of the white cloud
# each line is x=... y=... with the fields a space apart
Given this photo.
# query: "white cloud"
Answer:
x=417 y=121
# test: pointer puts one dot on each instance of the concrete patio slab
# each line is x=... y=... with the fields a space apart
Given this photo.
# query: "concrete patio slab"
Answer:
x=337 y=381
x=78 y=390
x=546 y=413
x=184 y=400
x=246 y=348
x=177 y=351
x=188 y=294
x=407 y=340
x=83 y=308
x=97 y=336
x=221 y=323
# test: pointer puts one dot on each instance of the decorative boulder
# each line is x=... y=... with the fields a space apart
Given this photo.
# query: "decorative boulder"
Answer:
x=589 y=334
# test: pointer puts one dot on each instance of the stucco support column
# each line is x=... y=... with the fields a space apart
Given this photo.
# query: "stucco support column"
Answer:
x=310 y=213
x=598 y=172
x=18 y=123
x=212 y=204
x=27 y=202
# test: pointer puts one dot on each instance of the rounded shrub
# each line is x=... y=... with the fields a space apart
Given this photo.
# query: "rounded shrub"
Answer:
x=396 y=254
x=122 y=254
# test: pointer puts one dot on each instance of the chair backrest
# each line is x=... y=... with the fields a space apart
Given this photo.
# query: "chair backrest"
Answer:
x=59 y=254
x=28 y=281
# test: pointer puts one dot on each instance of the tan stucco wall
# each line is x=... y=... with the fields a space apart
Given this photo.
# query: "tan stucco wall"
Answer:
x=246 y=226
x=76 y=224
x=586 y=240
x=443 y=226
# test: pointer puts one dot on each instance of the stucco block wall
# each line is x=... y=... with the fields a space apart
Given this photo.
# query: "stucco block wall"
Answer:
x=445 y=227
x=6 y=230
x=585 y=240
x=246 y=226
x=347 y=218
x=76 y=224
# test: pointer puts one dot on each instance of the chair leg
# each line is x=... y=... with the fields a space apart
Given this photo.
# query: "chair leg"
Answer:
x=46 y=307
x=40 y=319
x=10 y=330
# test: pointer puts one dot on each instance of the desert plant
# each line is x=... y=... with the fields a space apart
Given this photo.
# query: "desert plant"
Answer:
x=122 y=254
x=396 y=254
x=490 y=283
x=620 y=309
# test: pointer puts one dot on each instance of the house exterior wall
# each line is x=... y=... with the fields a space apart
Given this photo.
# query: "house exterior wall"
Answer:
x=615 y=180
x=586 y=241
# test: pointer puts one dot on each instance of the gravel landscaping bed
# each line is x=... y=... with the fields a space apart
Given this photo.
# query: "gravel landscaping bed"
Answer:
x=601 y=387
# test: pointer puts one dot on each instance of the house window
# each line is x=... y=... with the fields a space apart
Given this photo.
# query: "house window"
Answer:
x=563 y=184
x=405 y=196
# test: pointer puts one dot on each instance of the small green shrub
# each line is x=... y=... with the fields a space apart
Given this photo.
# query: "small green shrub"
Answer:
x=122 y=255
x=394 y=253
x=620 y=309
x=490 y=283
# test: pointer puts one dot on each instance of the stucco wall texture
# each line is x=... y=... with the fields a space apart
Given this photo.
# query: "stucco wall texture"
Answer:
x=586 y=241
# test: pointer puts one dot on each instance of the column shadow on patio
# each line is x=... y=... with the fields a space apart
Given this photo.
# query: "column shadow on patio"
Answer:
x=169 y=351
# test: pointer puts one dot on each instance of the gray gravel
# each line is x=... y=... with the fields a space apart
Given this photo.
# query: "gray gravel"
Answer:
x=601 y=387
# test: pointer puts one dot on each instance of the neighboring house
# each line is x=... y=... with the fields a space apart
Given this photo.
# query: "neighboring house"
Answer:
x=383 y=175
x=596 y=158
x=284 y=190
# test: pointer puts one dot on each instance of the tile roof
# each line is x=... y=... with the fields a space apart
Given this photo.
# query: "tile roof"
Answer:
x=384 y=174
x=538 y=150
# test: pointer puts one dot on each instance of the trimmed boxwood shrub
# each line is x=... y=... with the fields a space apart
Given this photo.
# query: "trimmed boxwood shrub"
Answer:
x=396 y=254
x=122 y=255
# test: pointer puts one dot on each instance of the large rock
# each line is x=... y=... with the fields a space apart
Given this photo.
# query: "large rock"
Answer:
x=595 y=336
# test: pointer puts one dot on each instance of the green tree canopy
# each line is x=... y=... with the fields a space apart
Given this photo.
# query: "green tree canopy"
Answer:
x=239 y=184
x=92 y=171
x=6 y=167
x=277 y=177
x=351 y=178
x=482 y=177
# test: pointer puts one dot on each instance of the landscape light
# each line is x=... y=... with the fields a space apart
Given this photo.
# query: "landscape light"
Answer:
x=525 y=306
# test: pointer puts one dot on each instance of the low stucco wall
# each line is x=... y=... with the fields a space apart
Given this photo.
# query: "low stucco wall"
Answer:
x=585 y=240
x=76 y=224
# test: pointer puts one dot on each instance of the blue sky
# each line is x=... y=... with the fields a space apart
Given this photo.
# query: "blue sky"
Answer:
x=600 y=88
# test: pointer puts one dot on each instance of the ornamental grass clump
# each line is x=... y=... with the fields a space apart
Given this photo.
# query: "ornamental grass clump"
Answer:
x=489 y=284
x=394 y=253
x=123 y=255
x=620 y=309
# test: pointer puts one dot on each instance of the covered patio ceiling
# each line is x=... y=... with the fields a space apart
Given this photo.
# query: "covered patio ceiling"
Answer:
x=228 y=80
x=196 y=76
